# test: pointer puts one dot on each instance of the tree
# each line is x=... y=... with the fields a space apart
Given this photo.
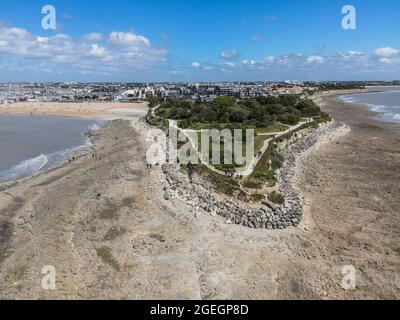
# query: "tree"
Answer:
x=178 y=113
x=308 y=108
x=221 y=105
x=289 y=118
x=275 y=109
x=238 y=115
x=207 y=115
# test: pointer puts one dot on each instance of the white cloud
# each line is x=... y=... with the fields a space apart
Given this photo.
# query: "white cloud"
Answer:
x=315 y=59
x=386 y=52
x=269 y=59
x=127 y=53
x=208 y=68
x=97 y=51
x=387 y=55
x=120 y=52
x=248 y=62
x=355 y=53
x=93 y=36
x=386 y=60
x=230 y=64
x=231 y=54
x=128 y=39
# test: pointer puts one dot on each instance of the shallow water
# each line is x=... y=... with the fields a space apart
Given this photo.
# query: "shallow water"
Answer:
x=31 y=143
x=386 y=101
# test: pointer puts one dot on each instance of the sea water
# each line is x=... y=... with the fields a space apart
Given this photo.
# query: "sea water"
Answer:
x=384 y=100
x=29 y=144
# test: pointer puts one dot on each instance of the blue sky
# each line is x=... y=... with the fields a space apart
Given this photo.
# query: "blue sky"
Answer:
x=185 y=40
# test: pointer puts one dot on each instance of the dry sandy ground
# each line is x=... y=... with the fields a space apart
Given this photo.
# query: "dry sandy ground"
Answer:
x=106 y=228
x=108 y=110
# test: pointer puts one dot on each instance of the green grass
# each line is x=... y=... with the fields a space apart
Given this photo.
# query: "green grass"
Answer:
x=263 y=164
x=276 y=198
x=271 y=129
x=262 y=174
x=157 y=237
x=222 y=184
x=105 y=253
x=114 y=232
x=259 y=142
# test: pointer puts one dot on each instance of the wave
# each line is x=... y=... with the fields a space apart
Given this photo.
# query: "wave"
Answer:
x=348 y=99
x=25 y=168
x=31 y=166
x=388 y=113
x=59 y=156
x=375 y=107
x=98 y=125
x=94 y=127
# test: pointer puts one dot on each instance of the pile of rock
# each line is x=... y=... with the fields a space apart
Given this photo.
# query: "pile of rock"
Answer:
x=269 y=215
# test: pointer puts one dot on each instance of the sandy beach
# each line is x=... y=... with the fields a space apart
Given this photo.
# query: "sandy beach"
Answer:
x=103 y=222
x=105 y=110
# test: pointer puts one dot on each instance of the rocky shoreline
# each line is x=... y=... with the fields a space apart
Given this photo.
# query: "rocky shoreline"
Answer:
x=268 y=215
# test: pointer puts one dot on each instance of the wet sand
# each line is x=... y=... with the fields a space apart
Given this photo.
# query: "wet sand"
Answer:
x=353 y=186
x=106 y=227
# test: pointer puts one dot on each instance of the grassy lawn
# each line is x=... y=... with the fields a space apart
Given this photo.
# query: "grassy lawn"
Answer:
x=262 y=166
x=261 y=170
x=271 y=129
x=262 y=174
x=258 y=144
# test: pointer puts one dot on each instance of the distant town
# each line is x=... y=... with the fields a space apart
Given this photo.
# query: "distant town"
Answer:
x=140 y=92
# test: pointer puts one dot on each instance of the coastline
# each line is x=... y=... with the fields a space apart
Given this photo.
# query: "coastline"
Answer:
x=377 y=107
x=92 y=110
x=42 y=210
x=95 y=111
x=109 y=230
x=351 y=186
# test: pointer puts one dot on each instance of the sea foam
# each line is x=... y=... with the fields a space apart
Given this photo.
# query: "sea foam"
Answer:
x=25 y=168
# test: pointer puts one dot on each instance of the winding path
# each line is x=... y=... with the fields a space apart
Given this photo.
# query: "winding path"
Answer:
x=238 y=172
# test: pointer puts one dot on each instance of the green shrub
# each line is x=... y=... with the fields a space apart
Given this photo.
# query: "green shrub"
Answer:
x=264 y=175
x=276 y=198
x=105 y=253
x=114 y=232
x=252 y=184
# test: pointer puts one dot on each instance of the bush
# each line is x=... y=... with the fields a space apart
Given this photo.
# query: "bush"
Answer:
x=252 y=184
x=264 y=175
x=277 y=159
x=105 y=253
x=276 y=198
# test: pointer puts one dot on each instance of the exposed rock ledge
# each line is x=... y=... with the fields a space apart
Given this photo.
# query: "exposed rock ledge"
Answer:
x=266 y=216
